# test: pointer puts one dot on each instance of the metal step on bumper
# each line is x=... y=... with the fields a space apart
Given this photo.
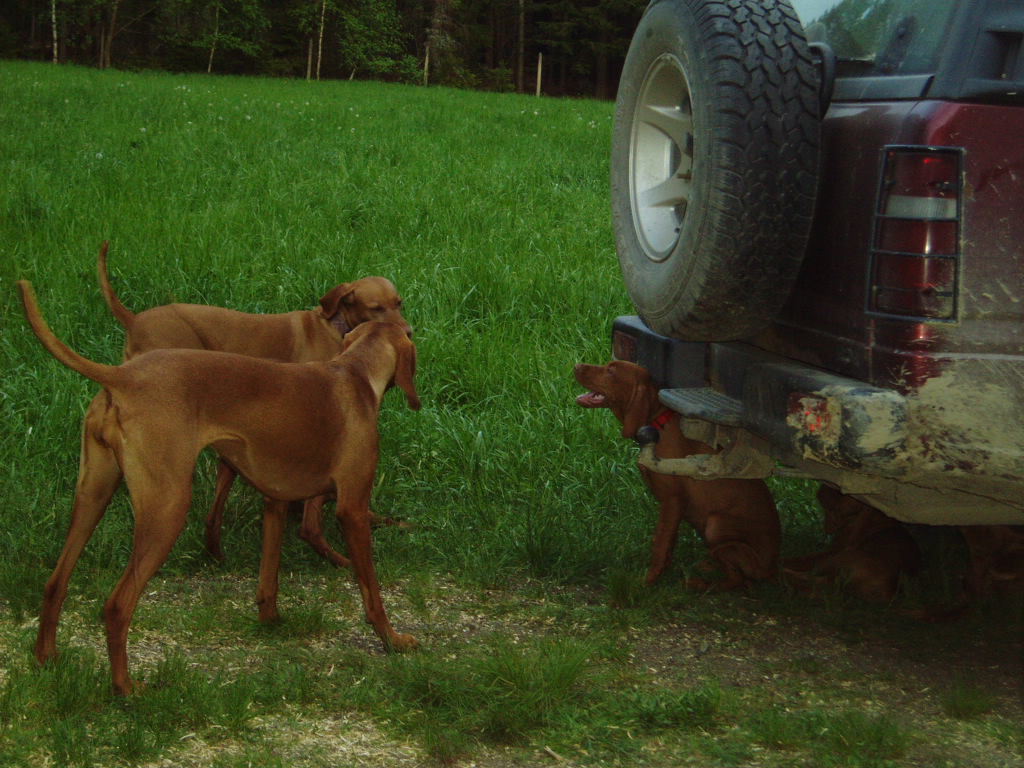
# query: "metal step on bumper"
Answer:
x=704 y=403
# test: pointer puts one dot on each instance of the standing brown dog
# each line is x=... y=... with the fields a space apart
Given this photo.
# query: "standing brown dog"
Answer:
x=869 y=554
x=292 y=337
x=296 y=431
x=736 y=518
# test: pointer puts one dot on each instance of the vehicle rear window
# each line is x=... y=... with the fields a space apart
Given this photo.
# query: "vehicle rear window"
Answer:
x=874 y=38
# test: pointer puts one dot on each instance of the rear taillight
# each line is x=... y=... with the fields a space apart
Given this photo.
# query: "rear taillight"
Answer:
x=623 y=347
x=916 y=239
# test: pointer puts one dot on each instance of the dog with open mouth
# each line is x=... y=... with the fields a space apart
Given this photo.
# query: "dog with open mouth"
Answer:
x=736 y=518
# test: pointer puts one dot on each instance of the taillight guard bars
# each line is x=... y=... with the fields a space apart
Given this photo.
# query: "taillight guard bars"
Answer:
x=918 y=215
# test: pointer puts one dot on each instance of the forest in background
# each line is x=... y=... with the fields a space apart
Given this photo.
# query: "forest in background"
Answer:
x=502 y=45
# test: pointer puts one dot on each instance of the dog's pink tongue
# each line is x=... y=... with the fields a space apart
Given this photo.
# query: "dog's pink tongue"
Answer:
x=591 y=400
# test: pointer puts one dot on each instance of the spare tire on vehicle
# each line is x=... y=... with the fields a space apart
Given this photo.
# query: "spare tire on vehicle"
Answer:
x=714 y=164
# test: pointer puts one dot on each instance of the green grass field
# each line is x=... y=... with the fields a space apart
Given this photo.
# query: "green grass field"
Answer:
x=521 y=575
x=489 y=213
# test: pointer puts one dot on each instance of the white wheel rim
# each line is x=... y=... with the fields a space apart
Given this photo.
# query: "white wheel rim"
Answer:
x=661 y=157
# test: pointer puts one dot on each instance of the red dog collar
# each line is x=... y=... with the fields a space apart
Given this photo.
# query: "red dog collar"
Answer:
x=663 y=418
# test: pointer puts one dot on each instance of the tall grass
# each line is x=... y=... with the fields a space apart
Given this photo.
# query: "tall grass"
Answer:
x=489 y=212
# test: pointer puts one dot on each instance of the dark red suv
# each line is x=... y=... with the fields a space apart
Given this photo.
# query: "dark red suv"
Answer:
x=819 y=213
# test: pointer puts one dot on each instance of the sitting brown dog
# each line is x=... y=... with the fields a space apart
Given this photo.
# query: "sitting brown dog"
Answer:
x=736 y=518
x=996 y=559
x=295 y=431
x=869 y=554
x=292 y=337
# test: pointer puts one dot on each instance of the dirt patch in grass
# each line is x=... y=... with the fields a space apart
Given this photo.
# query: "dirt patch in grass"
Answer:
x=782 y=664
x=294 y=738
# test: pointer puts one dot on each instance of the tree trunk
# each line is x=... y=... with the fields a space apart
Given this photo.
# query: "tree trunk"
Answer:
x=53 y=23
x=101 y=41
x=309 y=59
x=490 y=54
x=521 y=48
x=440 y=41
x=320 y=42
x=213 y=45
x=108 y=43
x=602 y=65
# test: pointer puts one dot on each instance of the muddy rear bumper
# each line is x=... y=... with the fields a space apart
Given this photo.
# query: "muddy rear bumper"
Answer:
x=916 y=457
x=801 y=412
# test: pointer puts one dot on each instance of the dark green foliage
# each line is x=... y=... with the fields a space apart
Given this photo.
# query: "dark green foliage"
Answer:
x=474 y=44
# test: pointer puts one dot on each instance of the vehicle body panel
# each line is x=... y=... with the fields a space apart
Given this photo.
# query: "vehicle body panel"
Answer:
x=920 y=417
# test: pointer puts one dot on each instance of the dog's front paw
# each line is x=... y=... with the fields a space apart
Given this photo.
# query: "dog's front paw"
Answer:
x=46 y=655
x=128 y=687
x=400 y=643
x=697 y=584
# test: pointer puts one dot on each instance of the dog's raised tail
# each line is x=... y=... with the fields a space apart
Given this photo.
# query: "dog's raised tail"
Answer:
x=120 y=311
x=104 y=374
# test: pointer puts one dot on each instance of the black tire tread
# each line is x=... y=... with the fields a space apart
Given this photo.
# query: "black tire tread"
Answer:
x=766 y=128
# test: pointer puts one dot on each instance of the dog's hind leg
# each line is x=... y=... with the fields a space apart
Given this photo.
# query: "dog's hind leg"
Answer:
x=312 y=532
x=225 y=478
x=161 y=492
x=740 y=563
x=274 y=517
x=98 y=478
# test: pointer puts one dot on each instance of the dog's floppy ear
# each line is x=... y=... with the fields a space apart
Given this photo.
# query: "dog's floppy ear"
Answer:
x=638 y=406
x=334 y=298
x=405 y=373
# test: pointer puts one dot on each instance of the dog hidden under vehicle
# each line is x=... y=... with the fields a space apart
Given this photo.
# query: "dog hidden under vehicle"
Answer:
x=821 y=229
